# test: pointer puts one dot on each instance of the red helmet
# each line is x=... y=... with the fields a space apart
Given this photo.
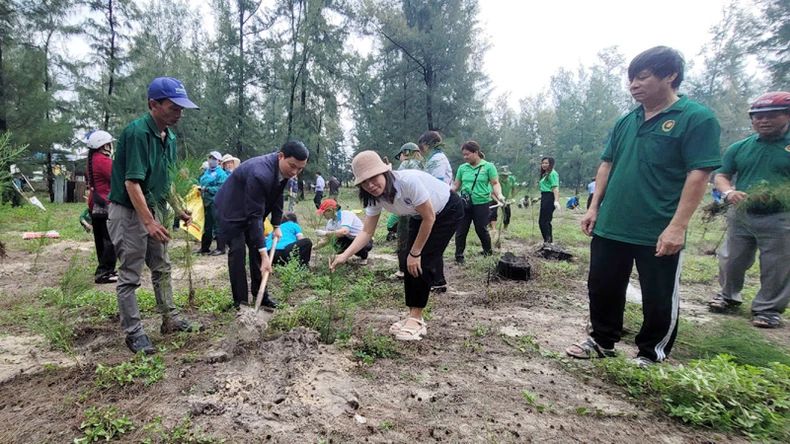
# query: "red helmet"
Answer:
x=771 y=101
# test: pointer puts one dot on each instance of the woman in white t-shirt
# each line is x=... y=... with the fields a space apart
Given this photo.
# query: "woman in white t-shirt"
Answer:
x=436 y=212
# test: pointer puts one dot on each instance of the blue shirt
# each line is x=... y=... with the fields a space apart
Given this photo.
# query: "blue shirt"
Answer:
x=290 y=230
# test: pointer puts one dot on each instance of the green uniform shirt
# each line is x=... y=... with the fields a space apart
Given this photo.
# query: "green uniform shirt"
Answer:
x=482 y=191
x=757 y=161
x=549 y=182
x=649 y=165
x=140 y=155
x=507 y=186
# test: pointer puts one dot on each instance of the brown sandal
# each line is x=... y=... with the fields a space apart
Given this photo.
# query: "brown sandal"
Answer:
x=589 y=349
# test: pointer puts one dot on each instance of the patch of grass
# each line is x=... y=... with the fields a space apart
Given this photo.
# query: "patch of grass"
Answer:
x=182 y=433
x=699 y=269
x=717 y=393
x=141 y=368
x=291 y=276
x=386 y=425
x=524 y=344
x=48 y=323
x=532 y=400
x=735 y=337
x=207 y=299
x=480 y=330
x=374 y=346
x=558 y=274
x=78 y=277
x=311 y=314
x=103 y=423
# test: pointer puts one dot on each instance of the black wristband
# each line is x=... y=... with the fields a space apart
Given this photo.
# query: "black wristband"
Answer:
x=414 y=255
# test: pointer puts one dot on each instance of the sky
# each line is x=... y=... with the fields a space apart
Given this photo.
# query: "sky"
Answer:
x=530 y=40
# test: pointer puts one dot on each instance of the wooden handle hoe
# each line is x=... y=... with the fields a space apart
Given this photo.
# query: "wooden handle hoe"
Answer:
x=265 y=277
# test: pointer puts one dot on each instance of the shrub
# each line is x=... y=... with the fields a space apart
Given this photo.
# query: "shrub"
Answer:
x=717 y=393
x=148 y=369
x=103 y=424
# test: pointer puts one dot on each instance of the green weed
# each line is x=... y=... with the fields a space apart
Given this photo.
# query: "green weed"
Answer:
x=291 y=276
x=386 y=425
x=374 y=346
x=103 y=423
x=182 y=433
x=717 y=393
x=532 y=400
x=77 y=278
x=141 y=368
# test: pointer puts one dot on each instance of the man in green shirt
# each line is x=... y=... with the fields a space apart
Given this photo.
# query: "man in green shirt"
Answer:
x=140 y=189
x=759 y=216
x=654 y=173
x=508 y=184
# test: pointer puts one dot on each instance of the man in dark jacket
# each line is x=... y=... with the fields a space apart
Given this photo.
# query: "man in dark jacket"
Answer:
x=252 y=192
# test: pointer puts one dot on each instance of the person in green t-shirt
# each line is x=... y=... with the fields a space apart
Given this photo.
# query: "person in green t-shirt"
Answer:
x=654 y=172
x=759 y=216
x=508 y=184
x=549 y=185
x=140 y=190
x=474 y=181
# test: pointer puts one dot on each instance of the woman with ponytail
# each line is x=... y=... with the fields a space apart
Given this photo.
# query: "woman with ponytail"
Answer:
x=99 y=168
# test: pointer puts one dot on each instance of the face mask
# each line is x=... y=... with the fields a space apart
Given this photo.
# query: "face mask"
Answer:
x=212 y=163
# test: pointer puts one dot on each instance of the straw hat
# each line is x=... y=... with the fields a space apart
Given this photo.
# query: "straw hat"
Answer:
x=229 y=158
x=367 y=164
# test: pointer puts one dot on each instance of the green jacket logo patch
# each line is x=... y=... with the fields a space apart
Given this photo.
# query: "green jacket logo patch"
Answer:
x=667 y=126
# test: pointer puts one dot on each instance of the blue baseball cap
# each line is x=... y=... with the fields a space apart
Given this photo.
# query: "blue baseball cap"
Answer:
x=170 y=88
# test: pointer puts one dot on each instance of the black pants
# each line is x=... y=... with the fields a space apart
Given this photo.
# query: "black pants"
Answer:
x=210 y=230
x=506 y=216
x=342 y=243
x=317 y=199
x=480 y=215
x=403 y=242
x=238 y=244
x=431 y=259
x=302 y=247
x=546 y=214
x=610 y=267
x=105 y=252
x=589 y=200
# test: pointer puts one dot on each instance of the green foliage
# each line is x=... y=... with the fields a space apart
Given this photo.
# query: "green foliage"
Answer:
x=734 y=337
x=78 y=277
x=206 y=299
x=182 y=433
x=374 y=346
x=141 y=368
x=291 y=276
x=532 y=400
x=103 y=424
x=717 y=393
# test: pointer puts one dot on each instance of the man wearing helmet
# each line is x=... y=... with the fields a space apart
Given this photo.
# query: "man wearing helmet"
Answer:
x=755 y=180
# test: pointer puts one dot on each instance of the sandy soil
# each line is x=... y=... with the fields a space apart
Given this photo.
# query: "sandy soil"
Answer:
x=462 y=383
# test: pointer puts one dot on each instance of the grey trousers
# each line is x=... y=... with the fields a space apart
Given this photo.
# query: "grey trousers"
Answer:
x=134 y=248
x=747 y=233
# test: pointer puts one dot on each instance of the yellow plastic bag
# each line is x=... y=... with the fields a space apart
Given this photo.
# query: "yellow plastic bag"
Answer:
x=194 y=204
x=267 y=227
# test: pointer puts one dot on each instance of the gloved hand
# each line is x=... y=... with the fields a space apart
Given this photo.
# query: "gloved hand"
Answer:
x=321 y=232
x=556 y=205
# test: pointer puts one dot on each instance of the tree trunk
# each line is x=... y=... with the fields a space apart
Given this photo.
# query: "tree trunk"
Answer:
x=48 y=116
x=240 y=89
x=429 y=84
x=3 y=122
x=111 y=80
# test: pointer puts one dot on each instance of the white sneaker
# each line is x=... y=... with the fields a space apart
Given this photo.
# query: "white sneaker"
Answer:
x=363 y=262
